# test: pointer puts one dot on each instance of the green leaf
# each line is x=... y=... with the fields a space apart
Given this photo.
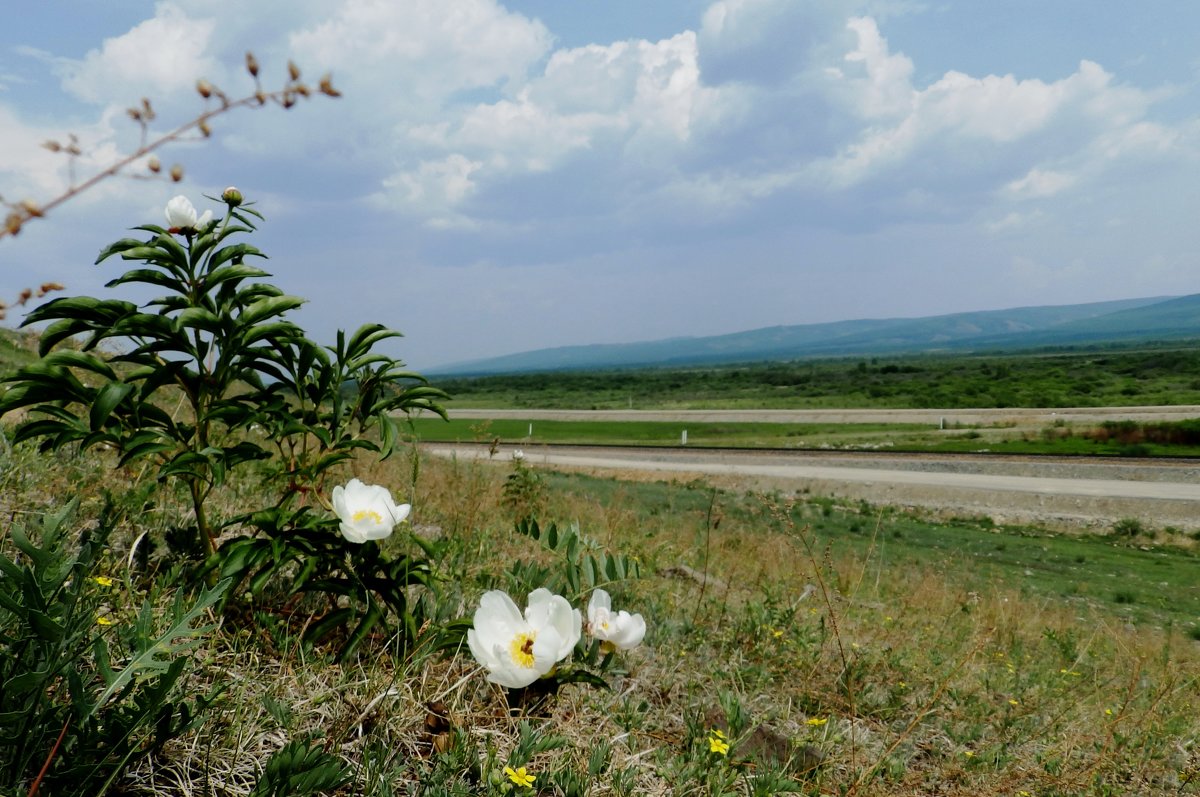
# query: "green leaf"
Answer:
x=155 y=655
x=269 y=307
x=123 y=245
x=69 y=358
x=198 y=318
x=106 y=401
x=225 y=254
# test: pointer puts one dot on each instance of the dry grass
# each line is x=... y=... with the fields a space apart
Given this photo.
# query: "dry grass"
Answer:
x=896 y=680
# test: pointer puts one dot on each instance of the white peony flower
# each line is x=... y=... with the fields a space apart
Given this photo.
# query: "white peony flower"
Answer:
x=367 y=511
x=518 y=649
x=181 y=215
x=622 y=630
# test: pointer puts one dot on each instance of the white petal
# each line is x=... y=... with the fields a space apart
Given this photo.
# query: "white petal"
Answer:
x=180 y=212
x=547 y=610
x=514 y=677
x=600 y=600
x=547 y=650
x=631 y=629
x=352 y=533
x=339 y=502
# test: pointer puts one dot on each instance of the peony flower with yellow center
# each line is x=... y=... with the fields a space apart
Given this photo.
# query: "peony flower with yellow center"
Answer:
x=621 y=630
x=517 y=649
x=181 y=216
x=367 y=511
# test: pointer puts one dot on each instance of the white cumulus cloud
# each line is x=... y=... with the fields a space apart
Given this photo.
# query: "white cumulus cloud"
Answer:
x=161 y=55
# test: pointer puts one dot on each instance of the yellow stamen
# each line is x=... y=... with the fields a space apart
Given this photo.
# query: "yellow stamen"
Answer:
x=521 y=649
x=366 y=514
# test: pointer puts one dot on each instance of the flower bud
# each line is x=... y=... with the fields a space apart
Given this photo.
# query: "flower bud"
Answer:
x=205 y=88
x=251 y=64
x=293 y=71
x=232 y=197
x=154 y=164
x=12 y=224
x=176 y=173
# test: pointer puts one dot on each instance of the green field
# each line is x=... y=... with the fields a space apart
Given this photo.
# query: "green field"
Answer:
x=1115 y=377
x=1180 y=439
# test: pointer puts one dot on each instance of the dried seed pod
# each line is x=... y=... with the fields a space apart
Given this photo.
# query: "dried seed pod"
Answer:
x=251 y=64
x=204 y=128
x=12 y=223
x=31 y=208
x=154 y=164
x=326 y=87
x=293 y=70
x=204 y=87
x=176 y=173
x=53 y=146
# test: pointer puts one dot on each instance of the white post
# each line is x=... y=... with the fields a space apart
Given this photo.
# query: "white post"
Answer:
x=683 y=438
x=531 y=430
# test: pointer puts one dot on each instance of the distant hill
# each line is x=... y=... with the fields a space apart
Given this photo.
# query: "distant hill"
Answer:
x=1126 y=320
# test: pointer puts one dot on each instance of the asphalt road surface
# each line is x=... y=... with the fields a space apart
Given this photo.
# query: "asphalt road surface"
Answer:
x=1057 y=492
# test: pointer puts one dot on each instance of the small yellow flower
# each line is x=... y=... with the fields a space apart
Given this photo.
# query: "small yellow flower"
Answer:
x=777 y=633
x=103 y=620
x=104 y=581
x=816 y=722
x=717 y=743
x=520 y=777
x=1108 y=712
x=1065 y=671
x=903 y=685
x=969 y=753
x=1014 y=702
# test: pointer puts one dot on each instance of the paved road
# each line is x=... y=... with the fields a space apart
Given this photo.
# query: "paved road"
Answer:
x=1008 y=489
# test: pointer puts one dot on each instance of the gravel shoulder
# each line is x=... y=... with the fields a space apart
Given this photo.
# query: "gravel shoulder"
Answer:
x=1059 y=492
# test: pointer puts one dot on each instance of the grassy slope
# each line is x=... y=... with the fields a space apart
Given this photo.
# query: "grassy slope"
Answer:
x=932 y=658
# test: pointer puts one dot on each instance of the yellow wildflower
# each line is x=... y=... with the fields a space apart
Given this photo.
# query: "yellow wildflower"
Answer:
x=717 y=743
x=103 y=581
x=816 y=722
x=520 y=777
x=103 y=620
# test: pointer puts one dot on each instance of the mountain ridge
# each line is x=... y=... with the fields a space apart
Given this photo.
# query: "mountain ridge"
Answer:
x=1121 y=320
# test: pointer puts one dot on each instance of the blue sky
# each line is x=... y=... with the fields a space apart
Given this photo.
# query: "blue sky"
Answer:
x=501 y=177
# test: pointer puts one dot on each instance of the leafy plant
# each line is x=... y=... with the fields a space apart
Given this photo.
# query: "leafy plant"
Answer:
x=300 y=768
x=85 y=695
x=581 y=565
x=302 y=553
x=191 y=372
x=524 y=490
